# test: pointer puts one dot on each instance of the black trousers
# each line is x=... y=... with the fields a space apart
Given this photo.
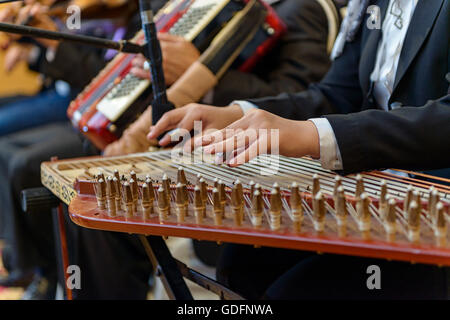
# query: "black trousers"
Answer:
x=272 y=273
x=113 y=265
x=29 y=237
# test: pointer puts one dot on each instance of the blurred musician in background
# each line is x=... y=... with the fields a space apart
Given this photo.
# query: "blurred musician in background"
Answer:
x=65 y=68
x=118 y=271
x=384 y=103
x=29 y=253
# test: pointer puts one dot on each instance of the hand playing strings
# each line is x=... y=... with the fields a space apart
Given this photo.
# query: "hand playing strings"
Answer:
x=261 y=132
x=212 y=118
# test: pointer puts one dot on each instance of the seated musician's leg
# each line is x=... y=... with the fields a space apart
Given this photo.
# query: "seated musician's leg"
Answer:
x=28 y=112
x=343 y=277
x=29 y=237
x=113 y=265
x=250 y=271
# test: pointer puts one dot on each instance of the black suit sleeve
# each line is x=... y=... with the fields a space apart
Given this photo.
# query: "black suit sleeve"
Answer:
x=414 y=138
x=75 y=64
x=299 y=58
x=338 y=92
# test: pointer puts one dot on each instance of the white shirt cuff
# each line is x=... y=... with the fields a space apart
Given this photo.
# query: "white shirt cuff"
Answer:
x=330 y=155
x=245 y=105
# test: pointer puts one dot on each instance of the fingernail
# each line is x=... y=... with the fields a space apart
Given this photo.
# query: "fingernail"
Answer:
x=232 y=163
x=219 y=158
x=208 y=149
x=198 y=141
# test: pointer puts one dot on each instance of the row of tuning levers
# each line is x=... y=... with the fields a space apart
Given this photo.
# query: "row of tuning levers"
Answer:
x=115 y=194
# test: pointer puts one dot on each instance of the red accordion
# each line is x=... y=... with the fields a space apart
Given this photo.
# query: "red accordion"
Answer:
x=115 y=98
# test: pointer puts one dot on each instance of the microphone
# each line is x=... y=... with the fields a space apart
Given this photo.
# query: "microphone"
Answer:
x=152 y=49
x=122 y=45
x=7 y=1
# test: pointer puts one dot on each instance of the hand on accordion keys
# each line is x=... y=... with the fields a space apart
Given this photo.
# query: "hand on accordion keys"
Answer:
x=178 y=55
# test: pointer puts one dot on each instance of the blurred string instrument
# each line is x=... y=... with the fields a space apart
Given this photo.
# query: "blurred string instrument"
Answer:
x=270 y=201
x=227 y=32
x=91 y=9
x=58 y=9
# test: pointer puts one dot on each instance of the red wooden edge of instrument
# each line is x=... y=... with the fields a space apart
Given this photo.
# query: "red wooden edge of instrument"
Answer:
x=84 y=212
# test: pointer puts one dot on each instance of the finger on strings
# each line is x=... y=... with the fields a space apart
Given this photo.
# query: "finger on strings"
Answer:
x=167 y=122
x=237 y=139
x=249 y=153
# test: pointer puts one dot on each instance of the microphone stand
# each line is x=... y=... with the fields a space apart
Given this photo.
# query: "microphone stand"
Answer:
x=160 y=104
x=122 y=45
x=151 y=50
x=7 y=1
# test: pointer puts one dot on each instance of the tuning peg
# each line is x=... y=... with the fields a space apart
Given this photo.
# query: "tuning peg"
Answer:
x=127 y=197
x=440 y=227
x=237 y=203
x=147 y=200
x=118 y=193
x=240 y=190
x=252 y=189
x=111 y=196
x=383 y=202
x=151 y=189
x=181 y=201
x=101 y=176
x=257 y=209
x=116 y=174
x=296 y=207
x=418 y=199
x=408 y=198
x=341 y=211
x=222 y=195
x=413 y=221
x=203 y=190
x=337 y=184
x=389 y=220
x=133 y=175
x=218 y=212
x=181 y=176
x=100 y=193
x=166 y=187
x=118 y=185
x=432 y=203
x=276 y=186
x=199 y=205
x=275 y=209
x=319 y=212
x=363 y=212
x=134 y=193
x=359 y=186
x=316 y=184
x=163 y=204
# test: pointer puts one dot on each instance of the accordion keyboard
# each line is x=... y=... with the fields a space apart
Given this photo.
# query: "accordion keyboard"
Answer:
x=125 y=92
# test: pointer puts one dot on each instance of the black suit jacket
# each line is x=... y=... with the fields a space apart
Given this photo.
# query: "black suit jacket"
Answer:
x=415 y=135
x=299 y=58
